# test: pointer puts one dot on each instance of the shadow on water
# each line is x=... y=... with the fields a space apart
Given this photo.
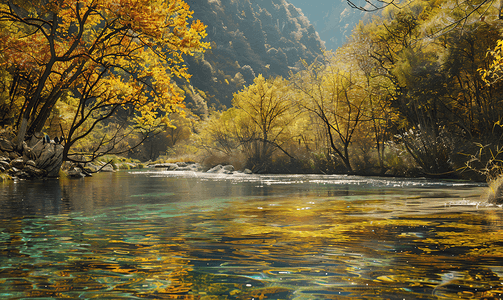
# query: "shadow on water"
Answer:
x=172 y=235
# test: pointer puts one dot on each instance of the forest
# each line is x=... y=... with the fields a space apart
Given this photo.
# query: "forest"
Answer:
x=415 y=91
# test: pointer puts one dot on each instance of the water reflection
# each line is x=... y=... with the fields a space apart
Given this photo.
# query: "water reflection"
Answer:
x=153 y=235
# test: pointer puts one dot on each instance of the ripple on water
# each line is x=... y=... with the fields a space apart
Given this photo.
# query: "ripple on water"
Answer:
x=156 y=234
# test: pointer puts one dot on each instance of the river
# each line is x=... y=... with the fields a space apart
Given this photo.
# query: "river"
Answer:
x=182 y=235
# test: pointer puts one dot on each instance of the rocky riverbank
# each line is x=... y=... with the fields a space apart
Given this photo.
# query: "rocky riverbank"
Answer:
x=36 y=159
x=195 y=167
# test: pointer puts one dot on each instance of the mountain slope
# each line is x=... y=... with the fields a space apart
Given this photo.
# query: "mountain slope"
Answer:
x=334 y=20
x=266 y=37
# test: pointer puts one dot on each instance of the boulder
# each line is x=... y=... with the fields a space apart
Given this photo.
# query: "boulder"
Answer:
x=227 y=169
x=17 y=163
x=30 y=163
x=13 y=155
x=75 y=173
x=6 y=145
x=215 y=169
x=28 y=152
x=107 y=168
x=91 y=168
x=49 y=157
x=193 y=167
x=32 y=171
x=5 y=164
x=168 y=166
x=13 y=170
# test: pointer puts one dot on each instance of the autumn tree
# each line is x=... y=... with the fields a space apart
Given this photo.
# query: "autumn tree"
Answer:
x=112 y=61
x=332 y=94
x=268 y=113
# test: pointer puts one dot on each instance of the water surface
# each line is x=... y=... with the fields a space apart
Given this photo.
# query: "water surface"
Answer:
x=168 y=235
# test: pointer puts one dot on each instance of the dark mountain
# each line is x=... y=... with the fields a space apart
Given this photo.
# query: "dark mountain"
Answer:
x=248 y=38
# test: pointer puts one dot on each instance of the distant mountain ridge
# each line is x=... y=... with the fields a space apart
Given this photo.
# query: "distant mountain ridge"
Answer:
x=333 y=19
x=248 y=38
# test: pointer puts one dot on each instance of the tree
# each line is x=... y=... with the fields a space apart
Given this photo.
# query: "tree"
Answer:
x=268 y=114
x=113 y=58
x=331 y=93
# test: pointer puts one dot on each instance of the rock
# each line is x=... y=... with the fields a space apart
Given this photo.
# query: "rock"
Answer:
x=17 y=163
x=4 y=164
x=6 y=145
x=28 y=152
x=13 y=170
x=91 y=168
x=13 y=155
x=215 y=169
x=107 y=168
x=75 y=173
x=247 y=171
x=31 y=163
x=168 y=166
x=49 y=156
x=227 y=169
x=34 y=172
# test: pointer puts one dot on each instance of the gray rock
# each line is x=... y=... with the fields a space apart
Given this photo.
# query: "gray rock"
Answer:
x=34 y=172
x=215 y=169
x=4 y=164
x=192 y=167
x=21 y=174
x=6 y=145
x=75 y=173
x=168 y=166
x=91 y=168
x=13 y=155
x=247 y=171
x=227 y=169
x=49 y=156
x=17 y=163
x=31 y=163
x=28 y=152
x=107 y=168
x=13 y=170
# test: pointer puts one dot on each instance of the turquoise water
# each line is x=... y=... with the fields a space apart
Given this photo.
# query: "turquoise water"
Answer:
x=168 y=235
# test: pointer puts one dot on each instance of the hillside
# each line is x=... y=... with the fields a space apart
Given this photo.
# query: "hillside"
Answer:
x=333 y=20
x=266 y=37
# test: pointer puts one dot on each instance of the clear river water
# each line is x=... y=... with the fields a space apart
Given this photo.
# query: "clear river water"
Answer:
x=181 y=235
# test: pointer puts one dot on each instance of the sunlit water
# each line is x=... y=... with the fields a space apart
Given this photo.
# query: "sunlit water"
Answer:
x=168 y=235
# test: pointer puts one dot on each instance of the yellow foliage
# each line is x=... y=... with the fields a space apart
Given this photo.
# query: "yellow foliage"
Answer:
x=109 y=53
